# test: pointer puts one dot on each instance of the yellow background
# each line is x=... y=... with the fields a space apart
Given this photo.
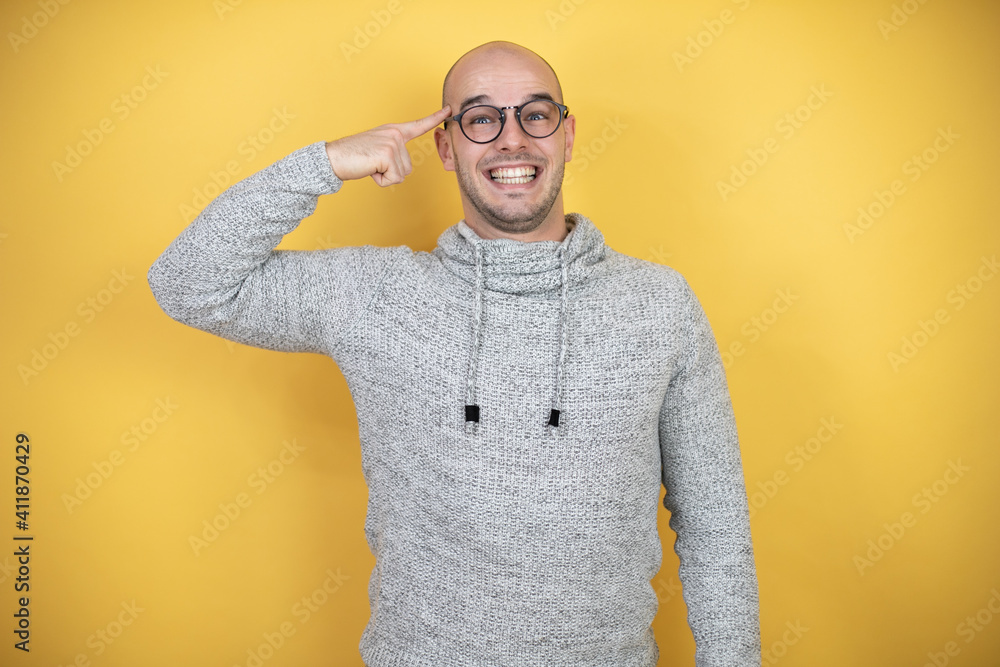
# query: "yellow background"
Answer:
x=661 y=134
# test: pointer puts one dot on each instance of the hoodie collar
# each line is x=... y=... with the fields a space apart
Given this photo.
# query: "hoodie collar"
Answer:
x=525 y=268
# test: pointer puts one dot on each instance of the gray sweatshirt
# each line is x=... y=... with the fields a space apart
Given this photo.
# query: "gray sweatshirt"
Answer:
x=519 y=405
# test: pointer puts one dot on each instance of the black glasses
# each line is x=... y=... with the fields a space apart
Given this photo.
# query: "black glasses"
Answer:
x=483 y=123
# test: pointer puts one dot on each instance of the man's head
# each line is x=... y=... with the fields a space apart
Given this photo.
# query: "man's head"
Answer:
x=503 y=74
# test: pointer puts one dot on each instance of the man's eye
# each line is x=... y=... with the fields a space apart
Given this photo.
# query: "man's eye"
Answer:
x=537 y=116
x=481 y=120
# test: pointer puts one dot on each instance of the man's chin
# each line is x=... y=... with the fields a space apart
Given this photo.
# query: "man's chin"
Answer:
x=514 y=220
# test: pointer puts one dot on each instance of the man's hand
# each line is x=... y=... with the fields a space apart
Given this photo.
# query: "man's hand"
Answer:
x=380 y=152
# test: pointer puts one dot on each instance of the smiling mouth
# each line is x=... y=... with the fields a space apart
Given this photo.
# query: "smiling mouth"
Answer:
x=513 y=175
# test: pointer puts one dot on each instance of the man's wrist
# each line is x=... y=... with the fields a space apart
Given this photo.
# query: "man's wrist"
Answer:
x=330 y=157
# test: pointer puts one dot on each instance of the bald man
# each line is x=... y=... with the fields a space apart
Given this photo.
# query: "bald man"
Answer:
x=523 y=391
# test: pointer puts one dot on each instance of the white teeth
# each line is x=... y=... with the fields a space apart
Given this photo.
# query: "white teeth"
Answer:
x=513 y=175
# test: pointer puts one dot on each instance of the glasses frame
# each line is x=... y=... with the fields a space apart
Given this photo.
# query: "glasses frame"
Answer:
x=563 y=113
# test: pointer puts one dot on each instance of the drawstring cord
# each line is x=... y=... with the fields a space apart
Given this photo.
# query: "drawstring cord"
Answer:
x=471 y=408
x=554 y=413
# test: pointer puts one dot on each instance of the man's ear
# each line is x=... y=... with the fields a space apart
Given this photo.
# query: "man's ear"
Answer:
x=443 y=141
x=570 y=124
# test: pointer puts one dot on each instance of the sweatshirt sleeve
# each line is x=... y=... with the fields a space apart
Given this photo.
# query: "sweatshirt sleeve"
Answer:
x=706 y=496
x=223 y=275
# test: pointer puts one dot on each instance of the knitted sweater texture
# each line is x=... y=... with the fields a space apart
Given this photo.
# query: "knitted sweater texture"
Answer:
x=519 y=406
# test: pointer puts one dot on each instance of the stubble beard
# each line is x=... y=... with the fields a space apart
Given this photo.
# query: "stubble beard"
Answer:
x=512 y=218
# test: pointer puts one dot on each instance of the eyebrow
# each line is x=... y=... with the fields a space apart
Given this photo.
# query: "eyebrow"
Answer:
x=485 y=99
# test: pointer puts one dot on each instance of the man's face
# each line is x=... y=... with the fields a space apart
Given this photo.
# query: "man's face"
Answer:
x=505 y=79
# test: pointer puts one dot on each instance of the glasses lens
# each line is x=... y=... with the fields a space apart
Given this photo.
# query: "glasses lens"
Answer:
x=540 y=118
x=481 y=124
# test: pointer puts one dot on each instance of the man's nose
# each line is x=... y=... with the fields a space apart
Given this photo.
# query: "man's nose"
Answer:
x=512 y=137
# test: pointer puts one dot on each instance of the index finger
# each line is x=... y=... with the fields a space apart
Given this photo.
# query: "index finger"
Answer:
x=415 y=128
